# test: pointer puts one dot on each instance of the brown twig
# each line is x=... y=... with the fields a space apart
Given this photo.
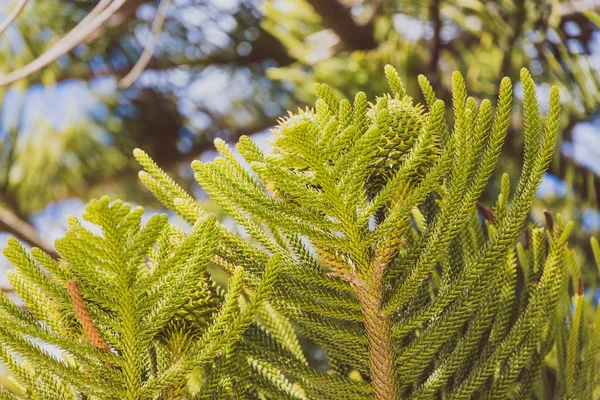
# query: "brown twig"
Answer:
x=83 y=316
x=379 y=336
x=549 y=221
x=369 y=290
x=22 y=230
x=485 y=211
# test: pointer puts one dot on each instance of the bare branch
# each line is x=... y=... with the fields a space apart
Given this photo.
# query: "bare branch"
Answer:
x=434 y=15
x=144 y=59
x=13 y=16
x=22 y=230
x=102 y=12
x=518 y=28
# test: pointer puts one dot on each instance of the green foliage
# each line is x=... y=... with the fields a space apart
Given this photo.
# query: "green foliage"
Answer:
x=470 y=311
x=485 y=40
x=125 y=314
x=363 y=234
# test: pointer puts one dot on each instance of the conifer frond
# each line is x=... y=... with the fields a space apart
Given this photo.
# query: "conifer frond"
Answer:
x=112 y=318
x=366 y=236
x=427 y=90
x=384 y=198
x=394 y=81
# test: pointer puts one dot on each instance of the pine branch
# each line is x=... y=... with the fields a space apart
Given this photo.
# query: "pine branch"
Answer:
x=126 y=305
x=361 y=232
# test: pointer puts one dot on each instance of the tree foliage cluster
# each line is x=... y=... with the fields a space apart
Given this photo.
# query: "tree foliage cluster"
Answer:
x=362 y=235
x=268 y=55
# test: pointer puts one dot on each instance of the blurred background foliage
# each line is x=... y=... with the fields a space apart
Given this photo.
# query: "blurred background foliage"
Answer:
x=226 y=68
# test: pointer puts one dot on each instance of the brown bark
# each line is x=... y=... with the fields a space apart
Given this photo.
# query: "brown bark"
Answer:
x=434 y=14
x=337 y=17
x=369 y=290
x=83 y=316
x=23 y=231
x=379 y=336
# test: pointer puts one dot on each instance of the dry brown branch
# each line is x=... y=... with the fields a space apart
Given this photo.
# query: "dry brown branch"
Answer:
x=89 y=328
x=22 y=230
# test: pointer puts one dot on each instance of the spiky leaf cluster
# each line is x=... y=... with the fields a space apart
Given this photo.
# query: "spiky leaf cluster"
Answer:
x=394 y=269
x=413 y=284
x=127 y=313
x=269 y=361
x=397 y=121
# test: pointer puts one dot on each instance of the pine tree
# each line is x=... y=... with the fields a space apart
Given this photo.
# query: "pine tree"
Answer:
x=363 y=233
